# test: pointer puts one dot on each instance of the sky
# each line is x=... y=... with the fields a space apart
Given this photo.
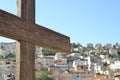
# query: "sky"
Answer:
x=84 y=21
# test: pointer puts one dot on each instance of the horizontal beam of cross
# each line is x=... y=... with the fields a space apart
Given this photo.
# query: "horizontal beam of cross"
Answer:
x=14 y=27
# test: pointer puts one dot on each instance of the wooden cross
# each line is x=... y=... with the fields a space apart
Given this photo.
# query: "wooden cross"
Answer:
x=28 y=35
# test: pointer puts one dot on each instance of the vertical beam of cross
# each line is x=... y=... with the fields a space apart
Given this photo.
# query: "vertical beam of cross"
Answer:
x=25 y=61
x=25 y=58
x=26 y=10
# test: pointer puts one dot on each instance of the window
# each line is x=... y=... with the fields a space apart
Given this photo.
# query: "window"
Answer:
x=81 y=67
x=7 y=62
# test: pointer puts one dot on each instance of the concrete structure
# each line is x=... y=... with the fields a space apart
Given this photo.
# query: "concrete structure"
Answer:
x=79 y=49
x=83 y=63
x=115 y=65
x=61 y=66
x=58 y=56
x=7 y=66
x=48 y=61
x=113 y=52
x=98 y=69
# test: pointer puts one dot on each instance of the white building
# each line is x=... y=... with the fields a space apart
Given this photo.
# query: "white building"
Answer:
x=61 y=66
x=88 y=58
x=115 y=65
x=79 y=62
x=61 y=57
x=104 y=56
x=79 y=49
x=74 y=55
x=85 y=61
x=108 y=61
x=7 y=66
x=98 y=69
x=48 y=60
x=113 y=52
x=7 y=48
x=58 y=56
x=11 y=47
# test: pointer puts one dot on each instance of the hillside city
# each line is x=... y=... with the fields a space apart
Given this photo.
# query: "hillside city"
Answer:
x=90 y=62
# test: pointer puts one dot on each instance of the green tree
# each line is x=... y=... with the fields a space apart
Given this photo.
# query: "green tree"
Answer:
x=79 y=45
x=47 y=52
x=119 y=54
x=11 y=55
x=105 y=64
x=73 y=45
x=114 y=47
x=44 y=77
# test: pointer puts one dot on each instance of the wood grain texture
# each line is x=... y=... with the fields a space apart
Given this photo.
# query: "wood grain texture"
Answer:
x=26 y=10
x=25 y=61
x=14 y=27
x=25 y=57
x=28 y=35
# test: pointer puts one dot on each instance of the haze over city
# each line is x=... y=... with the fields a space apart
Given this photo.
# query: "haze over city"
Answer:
x=84 y=21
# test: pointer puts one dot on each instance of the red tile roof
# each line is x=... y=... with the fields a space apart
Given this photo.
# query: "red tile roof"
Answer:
x=65 y=75
x=61 y=63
